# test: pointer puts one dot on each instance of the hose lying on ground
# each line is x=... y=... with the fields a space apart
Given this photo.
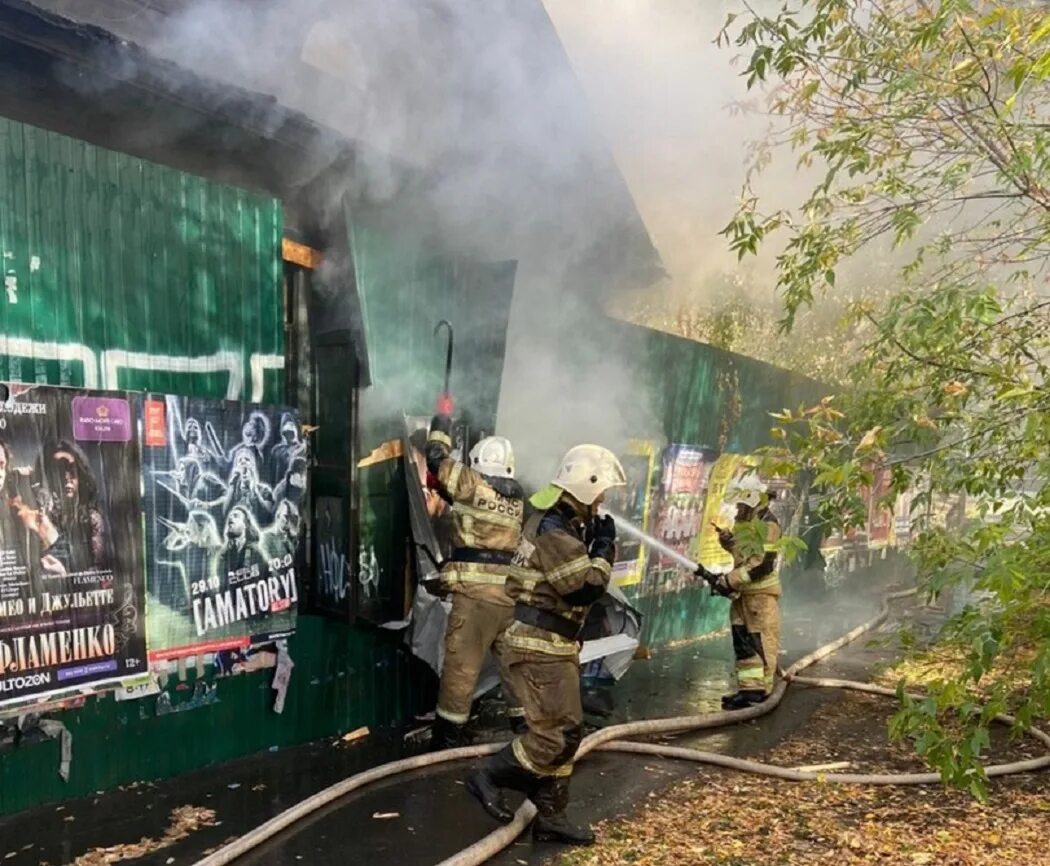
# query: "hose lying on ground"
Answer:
x=609 y=739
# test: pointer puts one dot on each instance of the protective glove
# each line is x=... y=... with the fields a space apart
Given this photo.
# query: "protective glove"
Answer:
x=719 y=584
x=604 y=527
x=726 y=539
x=603 y=538
x=444 y=405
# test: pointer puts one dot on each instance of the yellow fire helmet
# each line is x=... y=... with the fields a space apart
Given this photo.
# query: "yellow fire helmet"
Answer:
x=586 y=472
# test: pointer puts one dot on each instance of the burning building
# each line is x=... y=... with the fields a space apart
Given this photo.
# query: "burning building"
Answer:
x=274 y=203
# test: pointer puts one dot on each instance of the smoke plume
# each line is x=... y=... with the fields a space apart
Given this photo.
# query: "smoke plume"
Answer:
x=479 y=109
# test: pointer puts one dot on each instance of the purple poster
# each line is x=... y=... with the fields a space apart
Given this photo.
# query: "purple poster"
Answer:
x=102 y=419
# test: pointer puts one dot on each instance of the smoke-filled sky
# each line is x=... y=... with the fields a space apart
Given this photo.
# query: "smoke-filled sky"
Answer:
x=647 y=79
x=517 y=144
x=659 y=89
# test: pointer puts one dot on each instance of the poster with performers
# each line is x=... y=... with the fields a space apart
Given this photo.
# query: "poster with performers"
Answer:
x=679 y=510
x=224 y=485
x=71 y=576
x=633 y=502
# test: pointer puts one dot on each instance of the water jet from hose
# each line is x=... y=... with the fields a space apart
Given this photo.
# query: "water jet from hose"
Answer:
x=654 y=543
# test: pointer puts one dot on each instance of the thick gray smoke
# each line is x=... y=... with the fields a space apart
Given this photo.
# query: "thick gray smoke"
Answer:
x=480 y=102
x=475 y=98
x=479 y=109
x=667 y=99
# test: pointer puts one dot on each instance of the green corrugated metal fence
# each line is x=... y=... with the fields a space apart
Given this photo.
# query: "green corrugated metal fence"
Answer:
x=123 y=274
x=343 y=678
x=405 y=290
x=708 y=397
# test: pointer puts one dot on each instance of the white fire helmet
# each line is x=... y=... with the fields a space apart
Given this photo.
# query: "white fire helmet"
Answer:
x=750 y=490
x=587 y=471
x=493 y=456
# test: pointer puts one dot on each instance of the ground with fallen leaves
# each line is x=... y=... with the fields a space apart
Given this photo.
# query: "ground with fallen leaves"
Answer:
x=736 y=819
x=184 y=821
x=945 y=662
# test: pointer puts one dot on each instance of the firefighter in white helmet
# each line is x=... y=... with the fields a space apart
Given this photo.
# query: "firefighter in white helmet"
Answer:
x=487 y=511
x=754 y=587
x=562 y=566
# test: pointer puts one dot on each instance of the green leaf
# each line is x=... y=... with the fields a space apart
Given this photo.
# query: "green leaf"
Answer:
x=1011 y=393
x=944 y=346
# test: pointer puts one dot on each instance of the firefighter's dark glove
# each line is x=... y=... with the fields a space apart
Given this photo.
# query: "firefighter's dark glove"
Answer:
x=719 y=584
x=603 y=539
x=726 y=539
x=604 y=527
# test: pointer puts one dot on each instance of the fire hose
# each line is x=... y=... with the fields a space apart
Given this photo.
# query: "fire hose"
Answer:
x=611 y=739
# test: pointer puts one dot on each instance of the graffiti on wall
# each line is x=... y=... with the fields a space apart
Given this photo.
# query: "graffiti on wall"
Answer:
x=331 y=591
x=102 y=369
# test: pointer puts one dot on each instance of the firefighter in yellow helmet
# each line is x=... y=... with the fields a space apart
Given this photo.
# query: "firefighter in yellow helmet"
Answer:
x=562 y=566
x=754 y=587
x=487 y=511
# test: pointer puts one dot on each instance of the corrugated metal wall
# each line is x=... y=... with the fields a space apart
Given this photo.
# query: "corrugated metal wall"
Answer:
x=713 y=398
x=123 y=274
x=708 y=396
x=405 y=290
x=343 y=678
x=119 y=273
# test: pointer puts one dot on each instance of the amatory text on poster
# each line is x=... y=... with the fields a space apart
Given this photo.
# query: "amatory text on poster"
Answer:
x=224 y=484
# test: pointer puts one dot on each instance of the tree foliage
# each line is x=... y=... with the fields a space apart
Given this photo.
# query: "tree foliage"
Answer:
x=927 y=128
x=726 y=313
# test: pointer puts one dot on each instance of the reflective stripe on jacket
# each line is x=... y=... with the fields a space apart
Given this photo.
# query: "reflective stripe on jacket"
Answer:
x=553 y=571
x=486 y=515
x=757 y=570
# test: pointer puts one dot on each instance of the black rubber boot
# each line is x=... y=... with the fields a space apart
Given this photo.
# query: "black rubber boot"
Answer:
x=551 y=824
x=447 y=735
x=502 y=770
x=743 y=699
x=482 y=785
x=517 y=724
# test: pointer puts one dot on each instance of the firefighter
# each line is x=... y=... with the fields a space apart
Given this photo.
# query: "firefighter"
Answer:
x=562 y=566
x=754 y=587
x=487 y=511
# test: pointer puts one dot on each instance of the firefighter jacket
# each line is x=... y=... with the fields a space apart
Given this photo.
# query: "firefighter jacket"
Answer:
x=553 y=580
x=486 y=520
x=756 y=564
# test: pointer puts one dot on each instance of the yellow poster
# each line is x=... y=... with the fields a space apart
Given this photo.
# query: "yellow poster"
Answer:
x=706 y=549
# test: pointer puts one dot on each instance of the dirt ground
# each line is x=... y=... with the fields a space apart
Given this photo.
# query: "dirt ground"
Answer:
x=736 y=819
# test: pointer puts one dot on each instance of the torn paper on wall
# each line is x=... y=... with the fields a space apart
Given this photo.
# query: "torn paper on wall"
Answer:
x=282 y=675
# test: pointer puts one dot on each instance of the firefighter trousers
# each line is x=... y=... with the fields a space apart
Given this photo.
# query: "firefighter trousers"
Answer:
x=754 y=620
x=549 y=689
x=475 y=627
